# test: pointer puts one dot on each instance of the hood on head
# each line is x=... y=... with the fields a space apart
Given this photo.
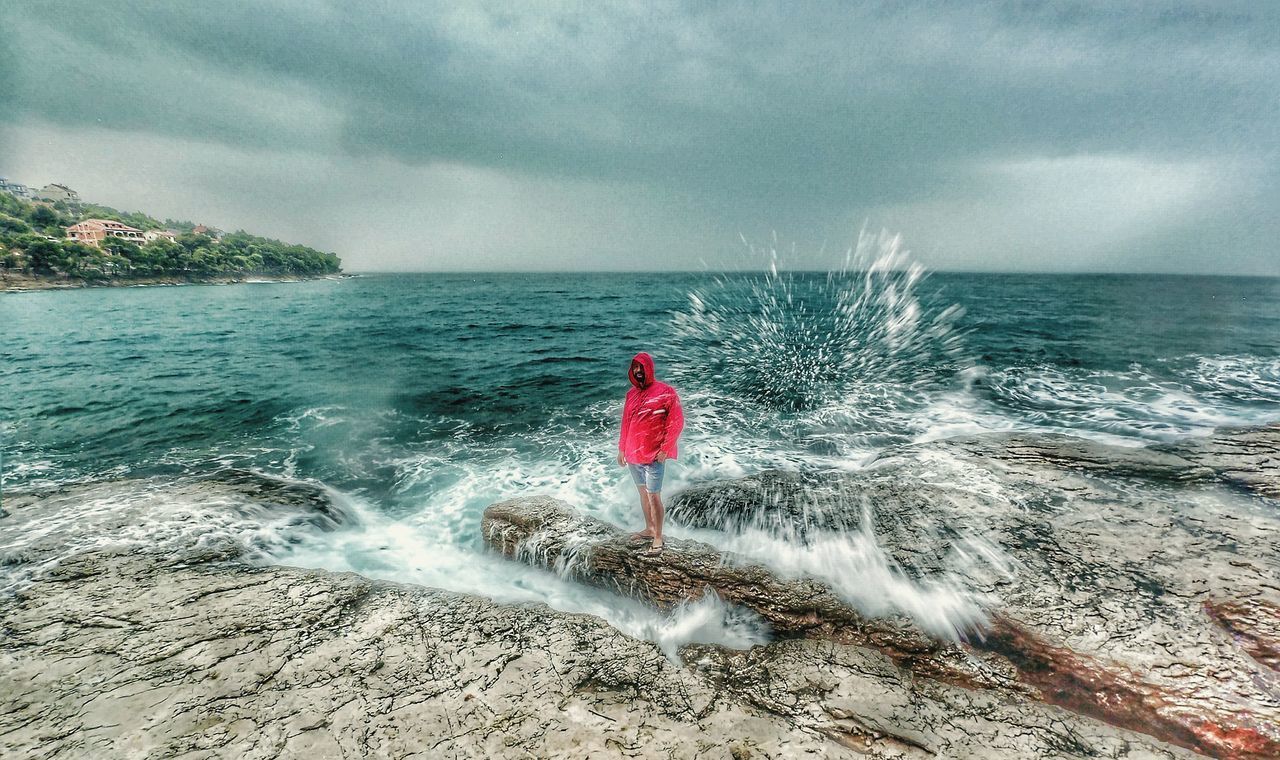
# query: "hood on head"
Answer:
x=641 y=360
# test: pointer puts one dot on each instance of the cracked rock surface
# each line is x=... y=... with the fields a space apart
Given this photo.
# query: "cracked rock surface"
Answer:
x=1248 y=458
x=189 y=653
x=178 y=648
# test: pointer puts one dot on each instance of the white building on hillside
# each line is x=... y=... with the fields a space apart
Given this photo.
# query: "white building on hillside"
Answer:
x=151 y=235
x=15 y=188
x=55 y=192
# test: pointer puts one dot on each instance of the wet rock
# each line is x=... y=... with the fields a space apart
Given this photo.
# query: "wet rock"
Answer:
x=145 y=656
x=1121 y=696
x=1140 y=599
x=232 y=514
x=548 y=533
x=270 y=491
x=1254 y=625
x=120 y=653
x=1248 y=458
x=1127 y=568
x=1082 y=455
x=1245 y=458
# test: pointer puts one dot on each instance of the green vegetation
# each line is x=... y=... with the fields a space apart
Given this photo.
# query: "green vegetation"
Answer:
x=26 y=248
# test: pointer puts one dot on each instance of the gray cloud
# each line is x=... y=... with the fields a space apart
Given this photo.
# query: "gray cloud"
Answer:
x=982 y=130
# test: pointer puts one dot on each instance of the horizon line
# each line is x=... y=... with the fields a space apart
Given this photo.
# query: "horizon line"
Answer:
x=1051 y=273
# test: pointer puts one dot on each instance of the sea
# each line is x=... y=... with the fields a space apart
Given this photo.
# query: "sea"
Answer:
x=419 y=399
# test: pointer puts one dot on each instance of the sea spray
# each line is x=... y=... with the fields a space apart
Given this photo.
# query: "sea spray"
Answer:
x=816 y=356
x=705 y=620
x=800 y=341
x=885 y=542
x=860 y=571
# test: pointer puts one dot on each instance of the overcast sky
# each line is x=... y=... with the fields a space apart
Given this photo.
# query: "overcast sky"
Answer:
x=1071 y=136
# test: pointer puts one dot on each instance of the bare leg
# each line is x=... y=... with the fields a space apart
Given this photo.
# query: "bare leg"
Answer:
x=648 y=515
x=656 y=513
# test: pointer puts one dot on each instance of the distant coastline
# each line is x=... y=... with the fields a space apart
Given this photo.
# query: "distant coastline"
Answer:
x=52 y=240
x=28 y=283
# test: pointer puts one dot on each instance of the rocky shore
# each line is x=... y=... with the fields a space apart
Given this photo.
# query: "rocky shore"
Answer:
x=1118 y=623
x=15 y=283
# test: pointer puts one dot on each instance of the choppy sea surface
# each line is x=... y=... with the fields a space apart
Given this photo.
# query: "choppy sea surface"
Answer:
x=420 y=399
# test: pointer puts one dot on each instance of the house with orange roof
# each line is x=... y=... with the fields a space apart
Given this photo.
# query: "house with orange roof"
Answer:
x=94 y=231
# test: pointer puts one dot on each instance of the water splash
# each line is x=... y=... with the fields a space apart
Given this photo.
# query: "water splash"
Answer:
x=708 y=619
x=799 y=341
x=705 y=620
x=861 y=572
x=884 y=541
x=820 y=357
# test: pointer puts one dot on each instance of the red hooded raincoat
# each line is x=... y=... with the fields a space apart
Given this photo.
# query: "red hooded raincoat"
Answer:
x=651 y=417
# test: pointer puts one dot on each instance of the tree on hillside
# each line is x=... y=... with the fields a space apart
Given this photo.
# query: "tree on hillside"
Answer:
x=121 y=254
x=25 y=225
x=43 y=256
x=162 y=256
x=48 y=220
x=13 y=225
x=9 y=260
x=120 y=246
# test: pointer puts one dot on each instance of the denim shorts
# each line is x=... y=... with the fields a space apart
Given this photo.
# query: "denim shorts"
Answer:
x=648 y=475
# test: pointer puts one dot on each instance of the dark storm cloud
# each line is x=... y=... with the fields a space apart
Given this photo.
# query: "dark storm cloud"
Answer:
x=798 y=112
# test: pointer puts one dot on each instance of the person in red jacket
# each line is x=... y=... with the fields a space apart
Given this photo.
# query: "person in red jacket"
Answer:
x=651 y=423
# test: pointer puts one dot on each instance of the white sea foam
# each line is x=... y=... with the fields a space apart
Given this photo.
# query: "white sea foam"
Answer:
x=153 y=516
x=1134 y=405
x=430 y=549
x=860 y=571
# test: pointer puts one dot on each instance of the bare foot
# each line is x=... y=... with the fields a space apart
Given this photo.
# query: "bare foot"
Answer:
x=646 y=533
x=654 y=550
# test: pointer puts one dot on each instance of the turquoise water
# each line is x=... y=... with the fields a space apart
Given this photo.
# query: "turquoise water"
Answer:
x=420 y=399
x=349 y=381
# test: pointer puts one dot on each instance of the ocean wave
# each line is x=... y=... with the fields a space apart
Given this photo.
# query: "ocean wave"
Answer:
x=1239 y=379
x=1186 y=396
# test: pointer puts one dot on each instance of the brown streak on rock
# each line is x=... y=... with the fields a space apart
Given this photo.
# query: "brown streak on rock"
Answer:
x=1117 y=695
x=1255 y=627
